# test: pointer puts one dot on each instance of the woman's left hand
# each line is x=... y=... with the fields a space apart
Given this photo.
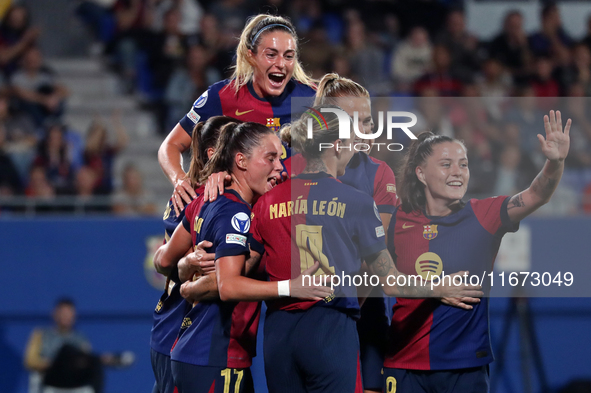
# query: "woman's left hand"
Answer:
x=555 y=146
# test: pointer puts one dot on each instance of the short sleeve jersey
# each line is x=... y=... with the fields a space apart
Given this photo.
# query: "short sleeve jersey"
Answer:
x=428 y=334
x=171 y=307
x=316 y=217
x=216 y=333
x=221 y=99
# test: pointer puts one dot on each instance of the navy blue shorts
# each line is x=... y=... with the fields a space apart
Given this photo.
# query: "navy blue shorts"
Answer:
x=464 y=380
x=162 y=372
x=311 y=351
x=373 y=330
x=204 y=379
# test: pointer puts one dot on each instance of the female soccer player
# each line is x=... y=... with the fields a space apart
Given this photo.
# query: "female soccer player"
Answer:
x=267 y=75
x=217 y=339
x=312 y=346
x=172 y=307
x=374 y=178
x=435 y=347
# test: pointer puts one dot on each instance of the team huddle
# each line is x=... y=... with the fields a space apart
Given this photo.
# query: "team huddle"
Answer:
x=262 y=205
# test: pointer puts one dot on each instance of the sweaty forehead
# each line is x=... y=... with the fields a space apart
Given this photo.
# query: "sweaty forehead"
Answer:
x=279 y=40
x=361 y=105
x=449 y=150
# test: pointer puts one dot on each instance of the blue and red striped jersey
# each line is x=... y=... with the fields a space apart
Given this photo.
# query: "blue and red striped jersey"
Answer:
x=316 y=217
x=365 y=173
x=426 y=334
x=171 y=308
x=221 y=99
x=216 y=333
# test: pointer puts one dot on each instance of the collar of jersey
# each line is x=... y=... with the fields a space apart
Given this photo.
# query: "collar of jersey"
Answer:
x=271 y=98
x=314 y=175
x=228 y=191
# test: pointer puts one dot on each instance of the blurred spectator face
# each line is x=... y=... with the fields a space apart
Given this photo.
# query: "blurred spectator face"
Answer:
x=492 y=69
x=273 y=62
x=64 y=316
x=209 y=23
x=17 y=18
x=455 y=23
x=470 y=90
x=441 y=58
x=54 y=138
x=32 y=60
x=341 y=66
x=419 y=37
x=3 y=107
x=172 y=20
x=582 y=56
x=552 y=18
x=512 y=134
x=197 y=57
x=544 y=68
x=356 y=34
x=514 y=24
x=85 y=180
x=132 y=180
x=38 y=184
x=510 y=157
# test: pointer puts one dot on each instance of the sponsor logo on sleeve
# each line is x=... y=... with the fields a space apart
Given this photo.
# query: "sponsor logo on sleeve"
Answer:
x=233 y=238
x=380 y=231
x=201 y=100
x=391 y=188
x=241 y=222
x=193 y=116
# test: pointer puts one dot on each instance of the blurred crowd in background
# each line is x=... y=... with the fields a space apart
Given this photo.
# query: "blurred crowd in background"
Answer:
x=167 y=52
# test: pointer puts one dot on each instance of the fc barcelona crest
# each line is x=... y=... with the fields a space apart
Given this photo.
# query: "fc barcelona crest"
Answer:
x=274 y=123
x=429 y=232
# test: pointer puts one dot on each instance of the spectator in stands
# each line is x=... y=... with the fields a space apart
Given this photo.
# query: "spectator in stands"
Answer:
x=543 y=43
x=495 y=86
x=86 y=200
x=220 y=44
x=37 y=88
x=514 y=172
x=188 y=83
x=10 y=181
x=99 y=153
x=462 y=45
x=411 y=59
x=480 y=157
x=38 y=185
x=54 y=157
x=131 y=19
x=511 y=48
x=16 y=36
x=576 y=107
x=441 y=78
x=524 y=113
x=366 y=60
x=543 y=82
x=21 y=137
x=587 y=39
x=432 y=115
x=318 y=51
x=132 y=199
x=582 y=67
x=191 y=13
x=166 y=49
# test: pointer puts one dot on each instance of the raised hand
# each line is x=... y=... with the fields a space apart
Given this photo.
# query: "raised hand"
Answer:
x=556 y=144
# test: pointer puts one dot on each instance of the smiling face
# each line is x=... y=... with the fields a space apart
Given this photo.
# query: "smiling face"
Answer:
x=445 y=175
x=263 y=168
x=273 y=63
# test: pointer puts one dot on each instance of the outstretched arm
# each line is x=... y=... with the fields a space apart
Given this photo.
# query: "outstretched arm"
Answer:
x=555 y=147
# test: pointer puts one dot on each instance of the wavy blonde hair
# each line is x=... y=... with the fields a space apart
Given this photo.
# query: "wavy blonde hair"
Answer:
x=255 y=28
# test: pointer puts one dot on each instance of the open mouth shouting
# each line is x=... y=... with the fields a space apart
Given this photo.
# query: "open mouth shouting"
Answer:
x=277 y=79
